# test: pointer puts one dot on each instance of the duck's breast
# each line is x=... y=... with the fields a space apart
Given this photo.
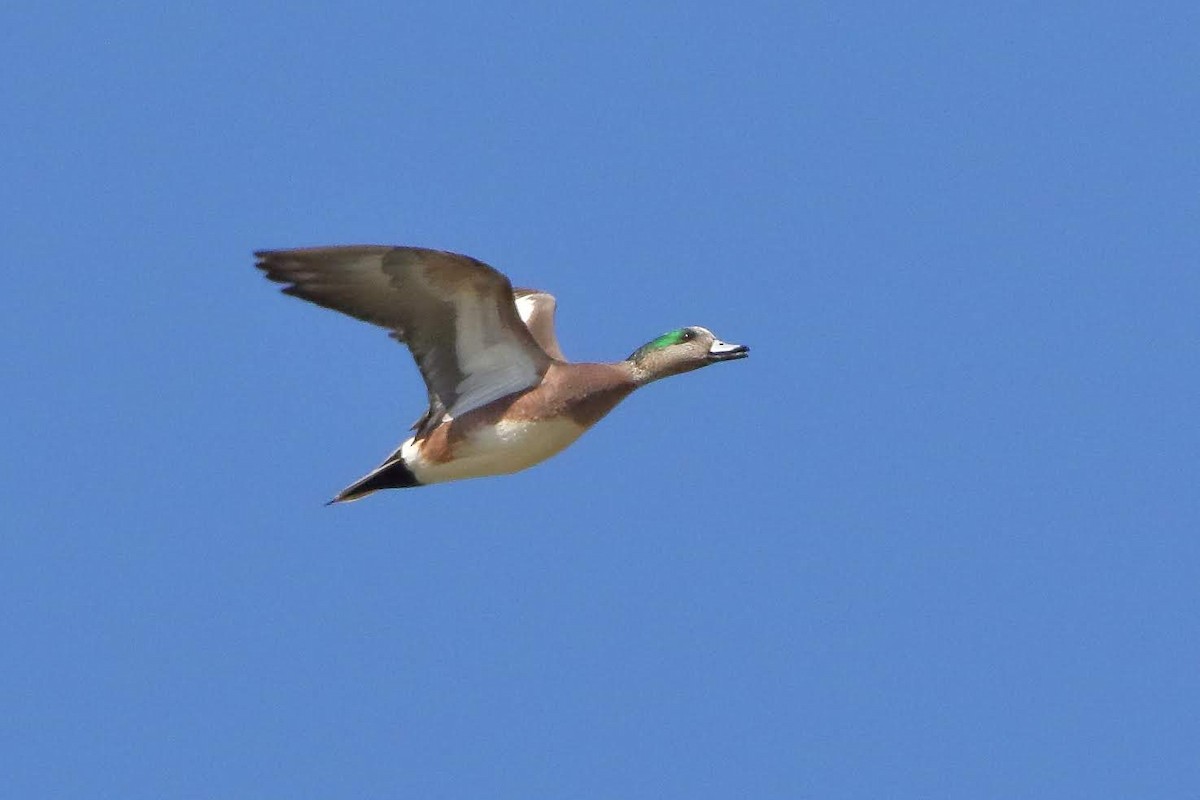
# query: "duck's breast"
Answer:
x=496 y=449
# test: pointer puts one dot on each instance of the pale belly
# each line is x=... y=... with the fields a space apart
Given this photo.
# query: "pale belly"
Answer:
x=507 y=447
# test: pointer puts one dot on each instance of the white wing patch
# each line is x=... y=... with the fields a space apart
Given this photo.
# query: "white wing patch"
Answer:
x=491 y=367
x=525 y=307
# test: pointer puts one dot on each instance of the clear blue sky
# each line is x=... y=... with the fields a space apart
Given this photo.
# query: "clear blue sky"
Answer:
x=938 y=537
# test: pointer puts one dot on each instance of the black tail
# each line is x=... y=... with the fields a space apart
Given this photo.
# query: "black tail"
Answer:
x=389 y=475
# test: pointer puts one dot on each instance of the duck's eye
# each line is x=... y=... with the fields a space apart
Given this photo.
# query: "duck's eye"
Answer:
x=687 y=336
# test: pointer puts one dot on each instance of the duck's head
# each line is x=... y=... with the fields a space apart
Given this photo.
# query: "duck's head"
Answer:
x=682 y=350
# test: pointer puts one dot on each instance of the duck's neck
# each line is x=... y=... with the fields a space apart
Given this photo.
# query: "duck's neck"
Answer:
x=637 y=372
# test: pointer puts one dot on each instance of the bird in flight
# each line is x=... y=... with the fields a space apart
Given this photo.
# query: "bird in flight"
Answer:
x=502 y=397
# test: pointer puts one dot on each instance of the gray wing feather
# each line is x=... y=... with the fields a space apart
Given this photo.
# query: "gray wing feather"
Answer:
x=457 y=315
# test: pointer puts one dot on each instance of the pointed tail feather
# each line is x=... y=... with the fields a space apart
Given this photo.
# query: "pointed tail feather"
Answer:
x=389 y=475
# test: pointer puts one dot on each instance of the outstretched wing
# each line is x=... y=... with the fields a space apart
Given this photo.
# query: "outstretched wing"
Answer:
x=457 y=315
x=537 y=312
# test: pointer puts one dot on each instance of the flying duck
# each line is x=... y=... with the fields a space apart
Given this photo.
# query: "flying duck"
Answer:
x=502 y=397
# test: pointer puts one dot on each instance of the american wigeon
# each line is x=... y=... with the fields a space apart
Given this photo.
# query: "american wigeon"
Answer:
x=501 y=395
